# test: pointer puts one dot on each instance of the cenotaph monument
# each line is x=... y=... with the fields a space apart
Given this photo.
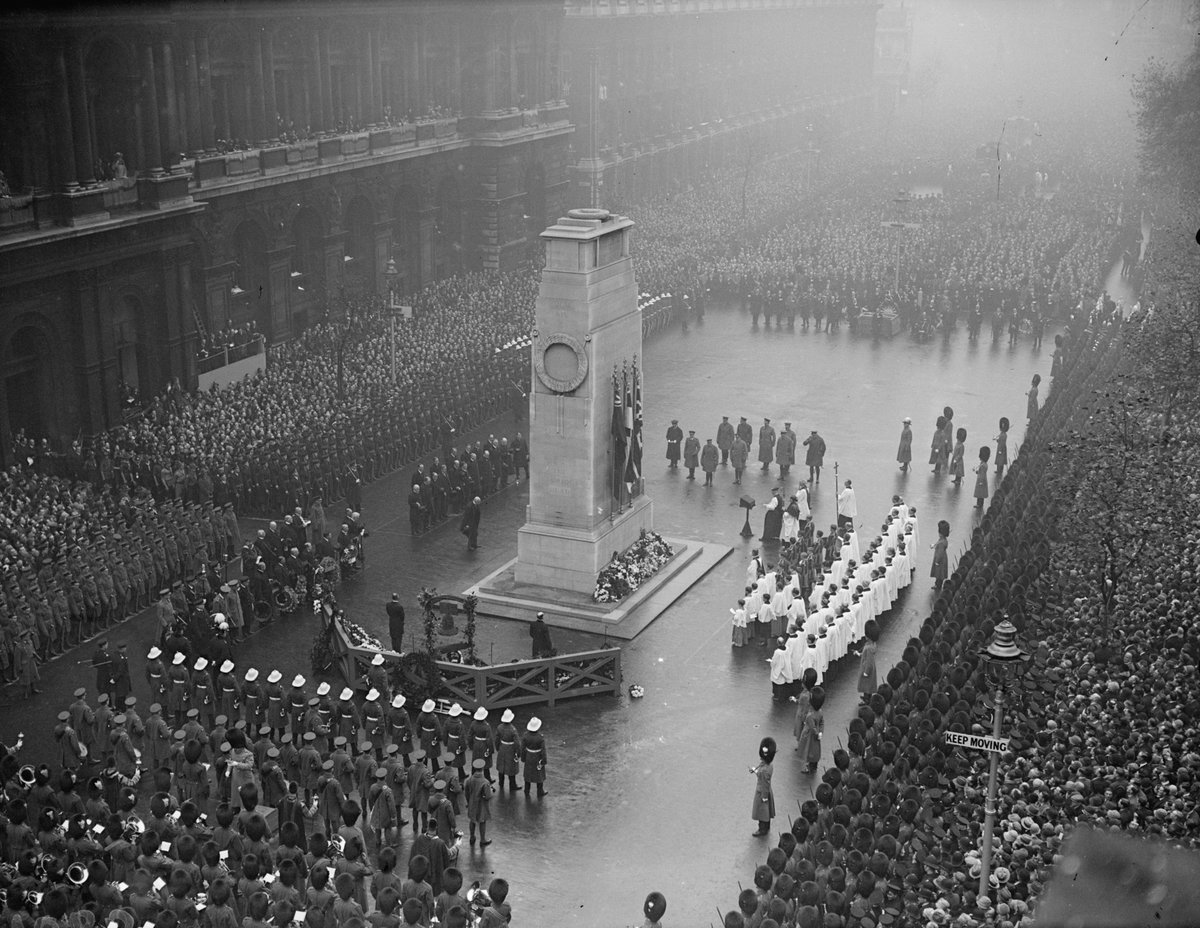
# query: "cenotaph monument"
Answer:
x=584 y=504
x=586 y=325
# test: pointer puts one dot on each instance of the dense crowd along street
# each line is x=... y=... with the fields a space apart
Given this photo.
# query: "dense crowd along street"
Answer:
x=210 y=774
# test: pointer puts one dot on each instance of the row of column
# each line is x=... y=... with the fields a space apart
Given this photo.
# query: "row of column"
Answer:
x=179 y=103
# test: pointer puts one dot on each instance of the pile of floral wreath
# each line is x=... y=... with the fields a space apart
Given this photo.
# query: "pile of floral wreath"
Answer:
x=626 y=572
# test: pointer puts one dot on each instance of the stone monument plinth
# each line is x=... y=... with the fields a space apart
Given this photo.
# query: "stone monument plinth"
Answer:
x=585 y=502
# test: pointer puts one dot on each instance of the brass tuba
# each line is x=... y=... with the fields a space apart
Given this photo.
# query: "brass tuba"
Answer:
x=77 y=873
x=27 y=775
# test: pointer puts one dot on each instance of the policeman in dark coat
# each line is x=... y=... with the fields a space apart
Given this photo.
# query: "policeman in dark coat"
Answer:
x=674 y=438
x=395 y=614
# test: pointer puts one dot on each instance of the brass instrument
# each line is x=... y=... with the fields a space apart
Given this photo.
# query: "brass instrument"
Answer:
x=27 y=775
x=134 y=828
x=77 y=873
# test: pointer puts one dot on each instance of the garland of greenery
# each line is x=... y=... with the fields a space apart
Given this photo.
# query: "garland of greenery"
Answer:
x=470 y=603
x=425 y=598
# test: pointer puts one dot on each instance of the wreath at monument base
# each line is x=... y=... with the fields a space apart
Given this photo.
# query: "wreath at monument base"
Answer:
x=626 y=572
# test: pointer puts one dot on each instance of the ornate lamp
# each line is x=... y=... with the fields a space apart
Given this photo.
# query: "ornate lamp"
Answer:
x=1004 y=662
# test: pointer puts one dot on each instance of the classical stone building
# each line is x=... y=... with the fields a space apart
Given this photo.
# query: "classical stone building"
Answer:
x=178 y=170
x=662 y=91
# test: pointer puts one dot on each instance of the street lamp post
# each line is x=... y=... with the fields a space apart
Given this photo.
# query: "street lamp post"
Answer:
x=1004 y=662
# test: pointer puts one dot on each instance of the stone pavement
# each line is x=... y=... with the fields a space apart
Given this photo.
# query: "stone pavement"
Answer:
x=654 y=793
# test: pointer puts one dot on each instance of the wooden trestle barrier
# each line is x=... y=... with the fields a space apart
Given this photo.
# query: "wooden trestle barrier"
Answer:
x=519 y=683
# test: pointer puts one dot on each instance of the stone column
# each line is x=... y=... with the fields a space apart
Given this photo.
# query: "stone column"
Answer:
x=80 y=125
x=316 y=86
x=151 y=146
x=367 y=69
x=195 y=135
x=327 y=109
x=208 y=125
x=258 y=115
x=64 y=138
x=270 y=100
x=170 y=113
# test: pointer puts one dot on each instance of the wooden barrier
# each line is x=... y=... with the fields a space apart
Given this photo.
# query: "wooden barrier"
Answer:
x=520 y=683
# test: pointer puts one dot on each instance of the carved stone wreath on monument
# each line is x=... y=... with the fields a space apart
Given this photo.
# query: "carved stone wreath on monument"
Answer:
x=561 y=362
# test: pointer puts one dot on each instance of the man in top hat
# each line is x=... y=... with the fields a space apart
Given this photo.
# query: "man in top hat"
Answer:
x=540 y=633
x=395 y=614
x=691 y=454
x=479 y=800
x=674 y=437
x=533 y=756
x=766 y=444
x=725 y=437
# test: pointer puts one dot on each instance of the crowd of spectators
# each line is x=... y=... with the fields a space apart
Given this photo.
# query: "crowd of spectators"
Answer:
x=1103 y=724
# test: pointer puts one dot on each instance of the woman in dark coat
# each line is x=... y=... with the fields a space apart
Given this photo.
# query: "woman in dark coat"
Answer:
x=763 y=808
x=941 y=561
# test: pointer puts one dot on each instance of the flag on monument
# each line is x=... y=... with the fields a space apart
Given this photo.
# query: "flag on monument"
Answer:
x=633 y=473
x=618 y=437
x=628 y=429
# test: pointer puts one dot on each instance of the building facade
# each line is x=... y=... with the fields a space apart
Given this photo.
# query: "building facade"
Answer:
x=661 y=91
x=170 y=173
